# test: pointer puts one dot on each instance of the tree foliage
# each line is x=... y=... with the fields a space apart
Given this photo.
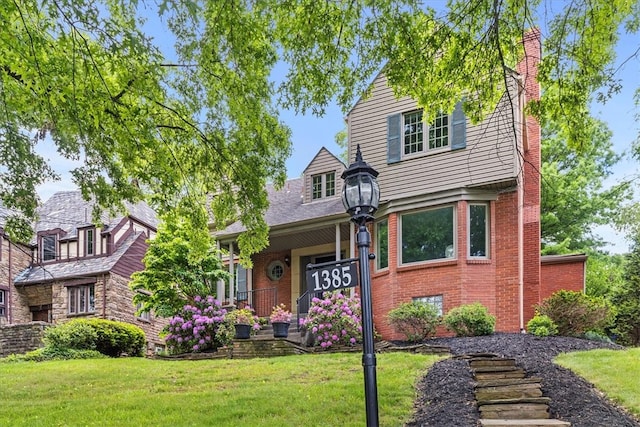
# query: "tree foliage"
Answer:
x=182 y=262
x=627 y=299
x=201 y=117
x=573 y=197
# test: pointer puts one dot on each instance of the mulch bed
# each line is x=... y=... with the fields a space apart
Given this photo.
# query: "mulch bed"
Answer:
x=446 y=398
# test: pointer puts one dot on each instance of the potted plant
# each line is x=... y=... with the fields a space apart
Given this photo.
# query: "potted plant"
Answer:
x=280 y=320
x=244 y=321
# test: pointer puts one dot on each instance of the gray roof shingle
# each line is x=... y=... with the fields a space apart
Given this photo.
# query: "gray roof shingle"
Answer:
x=68 y=211
x=286 y=207
x=73 y=269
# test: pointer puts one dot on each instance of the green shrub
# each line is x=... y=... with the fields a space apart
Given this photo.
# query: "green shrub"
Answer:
x=574 y=313
x=117 y=338
x=109 y=337
x=76 y=334
x=597 y=336
x=416 y=320
x=53 y=353
x=542 y=326
x=470 y=320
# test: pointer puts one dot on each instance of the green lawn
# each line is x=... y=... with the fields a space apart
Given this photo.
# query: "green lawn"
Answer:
x=615 y=373
x=308 y=390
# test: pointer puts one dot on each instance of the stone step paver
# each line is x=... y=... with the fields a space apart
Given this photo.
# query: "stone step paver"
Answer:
x=524 y=423
x=506 y=397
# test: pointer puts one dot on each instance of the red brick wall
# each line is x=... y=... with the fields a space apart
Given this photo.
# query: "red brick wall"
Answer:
x=261 y=280
x=531 y=177
x=557 y=274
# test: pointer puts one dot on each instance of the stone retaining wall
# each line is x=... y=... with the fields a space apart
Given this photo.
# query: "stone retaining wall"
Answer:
x=21 y=338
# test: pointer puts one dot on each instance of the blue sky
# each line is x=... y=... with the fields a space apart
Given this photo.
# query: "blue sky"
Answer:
x=310 y=133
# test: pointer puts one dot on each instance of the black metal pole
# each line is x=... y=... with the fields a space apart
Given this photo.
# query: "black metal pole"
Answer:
x=368 y=350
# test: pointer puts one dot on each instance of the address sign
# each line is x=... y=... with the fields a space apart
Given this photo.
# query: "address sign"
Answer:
x=340 y=275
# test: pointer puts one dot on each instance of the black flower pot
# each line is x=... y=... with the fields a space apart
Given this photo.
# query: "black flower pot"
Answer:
x=243 y=331
x=280 y=329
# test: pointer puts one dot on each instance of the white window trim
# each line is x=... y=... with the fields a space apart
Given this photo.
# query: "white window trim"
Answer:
x=432 y=301
x=378 y=258
x=487 y=232
x=401 y=263
x=93 y=242
x=3 y=303
x=74 y=291
x=425 y=137
x=55 y=247
x=323 y=185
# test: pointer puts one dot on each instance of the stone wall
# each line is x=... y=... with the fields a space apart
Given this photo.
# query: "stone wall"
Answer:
x=21 y=338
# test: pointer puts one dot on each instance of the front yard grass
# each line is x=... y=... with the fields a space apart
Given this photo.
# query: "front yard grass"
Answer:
x=615 y=373
x=308 y=390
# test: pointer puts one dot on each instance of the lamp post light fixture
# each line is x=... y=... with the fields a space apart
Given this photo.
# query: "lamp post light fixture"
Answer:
x=361 y=196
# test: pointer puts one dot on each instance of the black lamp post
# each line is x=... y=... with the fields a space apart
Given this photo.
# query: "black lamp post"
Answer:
x=360 y=196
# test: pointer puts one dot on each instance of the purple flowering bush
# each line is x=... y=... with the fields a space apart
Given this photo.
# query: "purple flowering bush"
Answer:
x=334 y=320
x=198 y=327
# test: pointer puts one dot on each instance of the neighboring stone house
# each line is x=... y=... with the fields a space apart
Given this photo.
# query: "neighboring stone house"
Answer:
x=14 y=257
x=79 y=269
x=458 y=222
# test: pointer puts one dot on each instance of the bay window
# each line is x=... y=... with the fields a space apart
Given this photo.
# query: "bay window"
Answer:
x=428 y=235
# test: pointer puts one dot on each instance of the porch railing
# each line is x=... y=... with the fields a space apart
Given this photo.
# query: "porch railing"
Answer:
x=261 y=300
x=304 y=302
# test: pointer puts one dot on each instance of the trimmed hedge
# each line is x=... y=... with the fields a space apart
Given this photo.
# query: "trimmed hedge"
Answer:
x=109 y=337
x=470 y=320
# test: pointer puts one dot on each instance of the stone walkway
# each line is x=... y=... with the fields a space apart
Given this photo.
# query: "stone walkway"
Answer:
x=505 y=396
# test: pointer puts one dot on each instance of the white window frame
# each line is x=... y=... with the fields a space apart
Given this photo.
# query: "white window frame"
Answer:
x=450 y=249
x=436 y=301
x=143 y=315
x=425 y=134
x=3 y=303
x=90 y=244
x=379 y=257
x=487 y=231
x=43 y=247
x=81 y=299
x=319 y=185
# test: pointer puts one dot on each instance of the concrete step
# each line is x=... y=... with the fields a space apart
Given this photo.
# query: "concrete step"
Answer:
x=524 y=423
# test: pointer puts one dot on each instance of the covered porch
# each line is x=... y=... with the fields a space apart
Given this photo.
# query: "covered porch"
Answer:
x=278 y=272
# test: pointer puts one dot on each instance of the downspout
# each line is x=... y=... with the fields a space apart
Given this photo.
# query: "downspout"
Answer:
x=584 y=276
x=104 y=297
x=521 y=256
x=8 y=303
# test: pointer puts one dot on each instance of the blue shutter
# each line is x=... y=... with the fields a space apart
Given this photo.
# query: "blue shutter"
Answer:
x=394 y=139
x=458 y=128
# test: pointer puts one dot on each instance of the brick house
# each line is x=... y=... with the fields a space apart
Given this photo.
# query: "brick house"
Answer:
x=77 y=269
x=458 y=220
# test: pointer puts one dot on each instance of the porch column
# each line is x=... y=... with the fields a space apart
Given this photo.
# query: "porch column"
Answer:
x=338 y=242
x=352 y=239
x=232 y=278
x=220 y=283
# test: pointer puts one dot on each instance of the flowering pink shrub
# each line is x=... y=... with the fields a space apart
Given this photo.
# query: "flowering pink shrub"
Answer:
x=334 y=319
x=280 y=314
x=197 y=327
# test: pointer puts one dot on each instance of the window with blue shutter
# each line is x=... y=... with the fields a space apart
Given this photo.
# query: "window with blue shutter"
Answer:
x=458 y=128
x=394 y=140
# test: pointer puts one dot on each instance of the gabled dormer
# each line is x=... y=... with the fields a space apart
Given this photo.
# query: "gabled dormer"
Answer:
x=322 y=177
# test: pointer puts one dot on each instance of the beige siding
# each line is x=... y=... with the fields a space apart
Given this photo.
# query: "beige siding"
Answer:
x=72 y=249
x=324 y=162
x=490 y=155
